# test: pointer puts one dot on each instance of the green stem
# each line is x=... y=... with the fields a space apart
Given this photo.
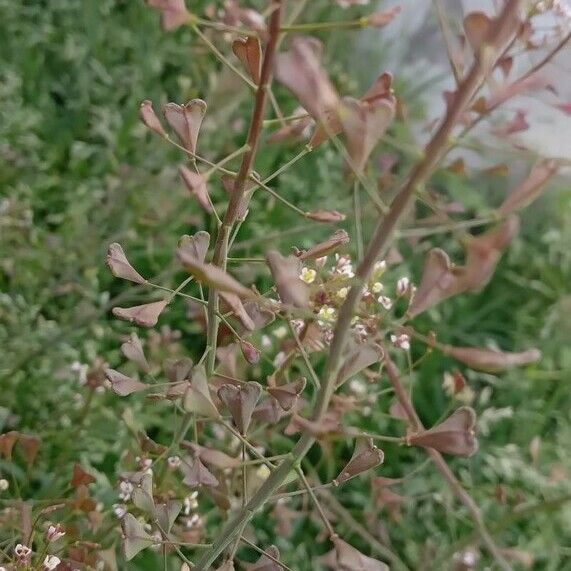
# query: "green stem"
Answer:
x=248 y=445
x=246 y=260
x=306 y=150
x=262 y=552
x=286 y=119
x=280 y=198
x=218 y=166
x=354 y=526
x=239 y=196
x=223 y=58
x=225 y=28
x=382 y=207
x=315 y=501
x=358 y=221
x=383 y=438
x=305 y=356
x=320 y=26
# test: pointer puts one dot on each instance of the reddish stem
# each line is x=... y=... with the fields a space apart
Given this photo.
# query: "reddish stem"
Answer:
x=239 y=196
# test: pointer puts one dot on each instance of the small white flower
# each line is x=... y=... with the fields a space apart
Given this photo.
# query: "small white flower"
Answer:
x=361 y=331
x=350 y=3
x=144 y=463
x=377 y=287
x=193 y=521
x=347 y=270
x=486 y=395
x=190 y=503
x=218 y=432
x=260 y=450
x=491 y=416
x=379 y=267
x=125 y=490
x=4 y=484
x=280 y=332
x=385 y=301
x=466 y=558
x=326 y=314
x=157 y=540
x=263 y=472
x=469 y=558
x=344 y=266
x=54 y=532
x=174 y=462
x=466 y=395
x=328 y=336
x=22 y=552
x=358 y=387
x=279 y=359
x=81 y=370
x=448 y=384
x=401 y=341
x=298 y=325
x=308 y=275
x=403 y=286
x=119 y=510
x=51 y=562
x=342 y=292
x=266 y=341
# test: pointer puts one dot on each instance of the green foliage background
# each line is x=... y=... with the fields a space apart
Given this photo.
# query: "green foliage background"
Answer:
x=78 y=171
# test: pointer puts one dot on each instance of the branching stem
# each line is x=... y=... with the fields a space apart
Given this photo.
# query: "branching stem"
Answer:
x=239 y=195
x=443 y=468
x=380 y=241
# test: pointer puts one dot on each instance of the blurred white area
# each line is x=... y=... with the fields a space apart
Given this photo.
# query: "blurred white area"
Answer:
x=414 y=48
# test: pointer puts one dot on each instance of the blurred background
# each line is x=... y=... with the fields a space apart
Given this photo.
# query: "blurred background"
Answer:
x=78 y=171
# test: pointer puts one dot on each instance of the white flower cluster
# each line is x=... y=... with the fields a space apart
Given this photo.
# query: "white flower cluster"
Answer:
x=51 y=562
x=330 y=288
x=401 y=341
x=23 y=553
x=308 y=275
x=325 y=315
x=190 y=503
x=120 y=510
x=125 y=490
